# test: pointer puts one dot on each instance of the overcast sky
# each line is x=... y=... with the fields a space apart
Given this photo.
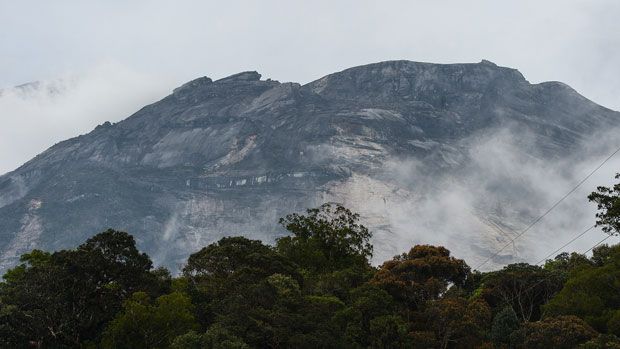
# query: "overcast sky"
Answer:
x=106 y=59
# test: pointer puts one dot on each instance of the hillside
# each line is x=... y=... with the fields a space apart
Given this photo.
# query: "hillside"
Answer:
x=229 y=157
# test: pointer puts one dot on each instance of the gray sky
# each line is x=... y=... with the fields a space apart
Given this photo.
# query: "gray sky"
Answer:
x=109 y=58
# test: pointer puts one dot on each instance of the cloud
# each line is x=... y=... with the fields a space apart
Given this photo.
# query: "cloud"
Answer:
x=157 y=45
x=574 y=41
x=482 y=207
x=37 y=115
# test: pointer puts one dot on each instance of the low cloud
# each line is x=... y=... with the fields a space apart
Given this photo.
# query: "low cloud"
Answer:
x=37 y=115
x=480 y=208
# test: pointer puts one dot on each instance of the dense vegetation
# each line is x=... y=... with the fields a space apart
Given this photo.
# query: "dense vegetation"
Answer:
x=314 y=289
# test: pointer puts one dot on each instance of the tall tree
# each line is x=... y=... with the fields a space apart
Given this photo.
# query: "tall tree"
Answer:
x=504 y=324
x=366 y=303
x=562 y=332
x=456 y=322
x=593 y=293
x=522 y=286
x=66 y=298
x=143 y=324
x=608 y=201
x=327 y=238
x=422 y=274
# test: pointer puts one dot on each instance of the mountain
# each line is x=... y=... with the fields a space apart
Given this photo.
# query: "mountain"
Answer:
x=231 y=156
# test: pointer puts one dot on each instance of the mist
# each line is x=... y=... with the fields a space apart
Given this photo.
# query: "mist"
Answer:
x=39 y=114
x=478 y=208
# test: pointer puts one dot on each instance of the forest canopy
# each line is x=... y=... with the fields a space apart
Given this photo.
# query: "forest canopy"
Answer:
x=314 y=288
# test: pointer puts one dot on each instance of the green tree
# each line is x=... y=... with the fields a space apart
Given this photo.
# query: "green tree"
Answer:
x=65 y=299
x=608 y=202
x=226 y=278
x=31 y=295
x=604 y=341
x=231 y=255
x=566 y=263
x=602 y=254
x=389 y=331
x=286 y=318
x=593 y=294
x=504 y=324
x=337 y=283
x=367 y=303
x=143 y=324
x=522 y=286
x=189 y=340
x=256 y=294
x=328 y=238
x=216 y=337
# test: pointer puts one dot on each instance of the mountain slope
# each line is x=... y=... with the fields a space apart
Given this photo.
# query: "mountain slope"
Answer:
x=230 y=156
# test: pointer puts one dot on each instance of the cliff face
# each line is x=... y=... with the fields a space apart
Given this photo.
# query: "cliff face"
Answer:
x=230 y=156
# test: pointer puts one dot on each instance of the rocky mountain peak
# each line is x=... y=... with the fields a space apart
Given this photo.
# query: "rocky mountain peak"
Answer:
x=414 y=80
x=196 y=83
x=231 y=156
x=243 y=76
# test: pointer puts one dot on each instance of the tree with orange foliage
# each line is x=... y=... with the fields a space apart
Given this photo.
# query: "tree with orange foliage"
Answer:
x=422 y=274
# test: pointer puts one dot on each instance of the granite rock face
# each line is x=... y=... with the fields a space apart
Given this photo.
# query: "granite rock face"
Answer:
x=231 y=156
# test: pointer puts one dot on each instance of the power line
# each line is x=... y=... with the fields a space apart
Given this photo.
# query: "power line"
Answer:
x=549 y=210
x=600 y=242
x=509 y=301
x=566 y=244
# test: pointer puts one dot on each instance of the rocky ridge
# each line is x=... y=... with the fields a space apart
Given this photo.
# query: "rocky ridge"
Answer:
x=231 y=156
